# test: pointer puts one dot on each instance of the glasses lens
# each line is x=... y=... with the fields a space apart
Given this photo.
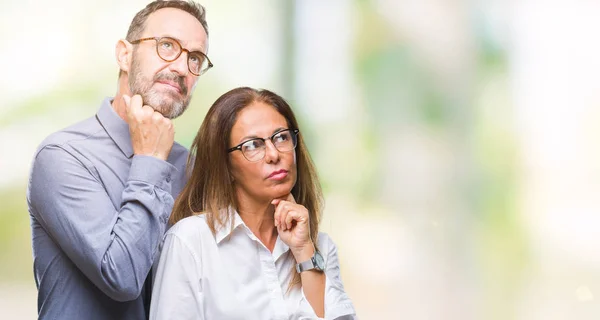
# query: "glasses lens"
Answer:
x=284 y=141
x=168 y=49
x=254 y=150
x=198 y=63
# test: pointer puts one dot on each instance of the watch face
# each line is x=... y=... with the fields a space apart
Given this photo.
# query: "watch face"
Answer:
x=319 y=261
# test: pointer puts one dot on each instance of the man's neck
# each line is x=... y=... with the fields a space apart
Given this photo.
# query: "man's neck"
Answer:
x=118 y=104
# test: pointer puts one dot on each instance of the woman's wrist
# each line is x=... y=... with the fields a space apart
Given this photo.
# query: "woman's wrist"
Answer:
x=304 y=253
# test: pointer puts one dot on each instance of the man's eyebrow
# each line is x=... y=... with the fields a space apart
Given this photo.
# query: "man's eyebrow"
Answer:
x=166 y=35
x=201 y=50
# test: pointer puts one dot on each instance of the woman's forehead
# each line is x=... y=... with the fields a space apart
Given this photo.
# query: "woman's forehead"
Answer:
x=258 y=118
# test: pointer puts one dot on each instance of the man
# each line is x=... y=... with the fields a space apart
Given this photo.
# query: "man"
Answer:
x=101 y=191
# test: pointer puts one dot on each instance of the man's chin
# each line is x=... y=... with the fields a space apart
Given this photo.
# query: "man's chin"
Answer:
x=176 y=110
x=168 y=104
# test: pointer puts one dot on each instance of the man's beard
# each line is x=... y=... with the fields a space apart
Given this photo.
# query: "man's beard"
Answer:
x=170 y=108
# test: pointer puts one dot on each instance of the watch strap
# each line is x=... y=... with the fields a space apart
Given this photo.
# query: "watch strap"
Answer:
x=306 y=265
x=310 y=264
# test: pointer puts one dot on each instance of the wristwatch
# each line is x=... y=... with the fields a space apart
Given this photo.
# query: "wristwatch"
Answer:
x=316 y=262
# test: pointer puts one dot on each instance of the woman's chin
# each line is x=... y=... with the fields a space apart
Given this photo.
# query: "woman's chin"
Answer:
x=281 y=192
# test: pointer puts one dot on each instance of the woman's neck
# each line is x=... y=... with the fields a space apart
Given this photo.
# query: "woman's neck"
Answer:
x=258 y=216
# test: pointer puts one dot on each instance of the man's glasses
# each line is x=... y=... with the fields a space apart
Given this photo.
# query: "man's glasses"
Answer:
x=255 y=149
x=170 y=49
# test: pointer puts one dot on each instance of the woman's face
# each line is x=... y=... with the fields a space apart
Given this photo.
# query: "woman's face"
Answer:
x=271 y=177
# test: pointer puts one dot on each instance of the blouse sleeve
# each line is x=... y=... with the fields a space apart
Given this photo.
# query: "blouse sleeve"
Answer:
x=177 y=292
x=337 y=303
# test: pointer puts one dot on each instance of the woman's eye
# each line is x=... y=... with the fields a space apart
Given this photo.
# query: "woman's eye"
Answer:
x=252 y=145
x=284 y=136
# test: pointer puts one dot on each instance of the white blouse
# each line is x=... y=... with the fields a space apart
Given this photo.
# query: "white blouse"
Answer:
x=232 y=275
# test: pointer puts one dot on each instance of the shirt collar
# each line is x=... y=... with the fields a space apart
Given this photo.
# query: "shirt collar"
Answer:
x=226 y=229
x=279 y=249
x=116 y=128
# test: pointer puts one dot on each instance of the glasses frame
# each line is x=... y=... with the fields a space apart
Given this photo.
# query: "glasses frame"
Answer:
x=239 y=146
x=158 y=39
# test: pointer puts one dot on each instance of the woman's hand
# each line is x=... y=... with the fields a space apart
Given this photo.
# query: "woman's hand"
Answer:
x=292 y=223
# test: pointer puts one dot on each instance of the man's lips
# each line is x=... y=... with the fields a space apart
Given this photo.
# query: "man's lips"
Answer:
x=171 y=84
x=278 y=175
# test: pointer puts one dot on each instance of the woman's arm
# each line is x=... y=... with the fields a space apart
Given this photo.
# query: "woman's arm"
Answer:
x=313 y=283
x=337 y=304
x=323 y=290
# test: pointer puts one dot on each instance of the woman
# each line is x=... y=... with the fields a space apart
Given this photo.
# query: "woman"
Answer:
x=245 y=244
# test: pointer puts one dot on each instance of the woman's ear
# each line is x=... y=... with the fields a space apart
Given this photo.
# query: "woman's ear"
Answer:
x=124 y=53
x=231 y=177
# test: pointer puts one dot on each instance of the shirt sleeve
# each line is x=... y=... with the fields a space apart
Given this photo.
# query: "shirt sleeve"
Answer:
x=338 y=305
x=177 y=292
x=113 y=247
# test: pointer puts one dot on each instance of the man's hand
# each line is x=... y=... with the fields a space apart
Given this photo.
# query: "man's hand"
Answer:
x=151 y=133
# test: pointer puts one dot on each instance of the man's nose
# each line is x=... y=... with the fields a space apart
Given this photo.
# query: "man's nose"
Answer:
x=180 y=65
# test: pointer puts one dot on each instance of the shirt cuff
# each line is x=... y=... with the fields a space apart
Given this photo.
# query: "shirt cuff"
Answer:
x=340 y=310
x=153 y=171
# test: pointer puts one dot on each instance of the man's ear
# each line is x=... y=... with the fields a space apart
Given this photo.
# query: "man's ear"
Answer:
x=124 y=53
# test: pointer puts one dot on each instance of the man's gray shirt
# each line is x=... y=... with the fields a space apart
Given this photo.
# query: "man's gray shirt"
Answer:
x=97 y=215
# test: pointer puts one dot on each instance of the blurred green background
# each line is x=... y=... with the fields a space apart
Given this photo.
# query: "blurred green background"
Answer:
x=457 y=141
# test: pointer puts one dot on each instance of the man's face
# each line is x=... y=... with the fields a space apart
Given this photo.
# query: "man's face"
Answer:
x=166 y=86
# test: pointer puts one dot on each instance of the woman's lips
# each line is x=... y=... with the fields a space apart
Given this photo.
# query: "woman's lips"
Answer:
x=278 y=175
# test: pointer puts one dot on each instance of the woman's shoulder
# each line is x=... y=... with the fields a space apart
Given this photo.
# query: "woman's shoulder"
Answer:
x=324 y=242
x=191 y=229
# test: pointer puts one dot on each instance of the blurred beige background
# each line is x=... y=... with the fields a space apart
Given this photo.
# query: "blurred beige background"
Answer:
x=457 y=141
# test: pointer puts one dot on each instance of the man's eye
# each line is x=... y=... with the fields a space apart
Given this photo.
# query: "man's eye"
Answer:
x=195 y=58
x=166 y=45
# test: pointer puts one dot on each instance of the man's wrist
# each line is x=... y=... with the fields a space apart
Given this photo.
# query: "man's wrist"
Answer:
x=153 y=171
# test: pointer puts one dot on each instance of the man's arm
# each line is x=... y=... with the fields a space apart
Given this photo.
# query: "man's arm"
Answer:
x=113 y=247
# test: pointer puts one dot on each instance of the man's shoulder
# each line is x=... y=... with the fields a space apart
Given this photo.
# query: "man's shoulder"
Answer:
x=79 y=131
x=179 y=149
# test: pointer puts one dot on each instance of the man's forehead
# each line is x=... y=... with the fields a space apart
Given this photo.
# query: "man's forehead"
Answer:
x=178 y=24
